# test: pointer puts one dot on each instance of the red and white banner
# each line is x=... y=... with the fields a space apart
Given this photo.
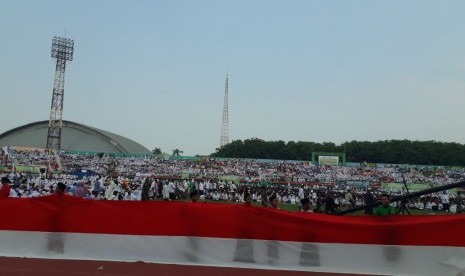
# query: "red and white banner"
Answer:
x=231 y=235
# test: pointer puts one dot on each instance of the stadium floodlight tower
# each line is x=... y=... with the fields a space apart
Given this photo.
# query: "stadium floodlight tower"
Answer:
x=225 y=125
x=62 y=50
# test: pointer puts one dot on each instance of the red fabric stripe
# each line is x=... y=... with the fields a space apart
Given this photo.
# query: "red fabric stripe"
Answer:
x=68 y=214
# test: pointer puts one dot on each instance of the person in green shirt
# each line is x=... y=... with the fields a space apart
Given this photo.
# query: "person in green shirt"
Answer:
x=191 y=186
x=384 y=209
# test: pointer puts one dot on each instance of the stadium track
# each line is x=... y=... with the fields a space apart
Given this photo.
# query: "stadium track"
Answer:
x=51 y=267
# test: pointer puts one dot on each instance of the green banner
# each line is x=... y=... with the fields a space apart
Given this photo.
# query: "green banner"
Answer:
x=235 y=179
x=27 y=168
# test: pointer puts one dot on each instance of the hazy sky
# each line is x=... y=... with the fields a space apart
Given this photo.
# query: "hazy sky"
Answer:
x=322 y=71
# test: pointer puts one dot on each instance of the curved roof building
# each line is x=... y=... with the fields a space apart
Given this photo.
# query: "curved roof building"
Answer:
x=74 y=138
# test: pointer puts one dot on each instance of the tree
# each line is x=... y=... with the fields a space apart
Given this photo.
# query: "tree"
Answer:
x=177 y=152
x=387 y=151
x=156 y=151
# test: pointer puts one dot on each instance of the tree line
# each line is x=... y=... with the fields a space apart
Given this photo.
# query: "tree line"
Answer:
x=388 y=151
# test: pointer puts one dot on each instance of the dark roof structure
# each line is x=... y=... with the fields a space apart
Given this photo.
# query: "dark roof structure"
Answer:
x=74 y=138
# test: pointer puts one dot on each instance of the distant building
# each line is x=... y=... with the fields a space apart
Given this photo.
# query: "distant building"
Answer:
x=75 y=138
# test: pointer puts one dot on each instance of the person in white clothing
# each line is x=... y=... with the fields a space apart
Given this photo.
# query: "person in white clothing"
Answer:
x=301 y=192
x=165 y=192
x=112 y=191
x=445 y=200
x=172 y=190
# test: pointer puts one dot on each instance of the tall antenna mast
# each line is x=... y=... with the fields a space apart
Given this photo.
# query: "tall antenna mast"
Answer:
x=225 y=126
x=62 y=50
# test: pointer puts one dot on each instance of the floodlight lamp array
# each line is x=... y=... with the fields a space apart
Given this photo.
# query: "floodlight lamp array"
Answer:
x=62 y=48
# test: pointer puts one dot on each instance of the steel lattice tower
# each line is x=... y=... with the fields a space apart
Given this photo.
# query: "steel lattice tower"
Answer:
x=225 y=126
x=62 y=50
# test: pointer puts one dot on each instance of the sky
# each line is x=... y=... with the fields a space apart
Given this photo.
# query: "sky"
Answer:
x=301 y=70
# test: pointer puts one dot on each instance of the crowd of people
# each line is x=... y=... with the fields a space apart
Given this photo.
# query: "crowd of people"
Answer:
x=324 y=188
